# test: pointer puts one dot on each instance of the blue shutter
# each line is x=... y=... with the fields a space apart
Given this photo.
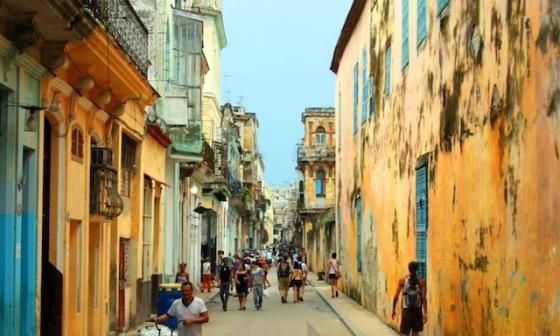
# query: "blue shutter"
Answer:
x=441 y=4
x=388 y=71
x=371 y=100
x=421 y=29
x=355 y=110
x=404 y=33
x=359 y=232
x=364 y=85
x=421 y=219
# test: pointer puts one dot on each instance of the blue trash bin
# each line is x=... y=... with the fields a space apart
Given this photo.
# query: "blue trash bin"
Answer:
x=167 y=294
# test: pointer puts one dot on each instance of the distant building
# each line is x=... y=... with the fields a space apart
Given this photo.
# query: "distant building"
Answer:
x=316 y=161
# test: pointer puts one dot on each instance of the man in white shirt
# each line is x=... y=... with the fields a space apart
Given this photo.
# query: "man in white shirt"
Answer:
x=189 y=310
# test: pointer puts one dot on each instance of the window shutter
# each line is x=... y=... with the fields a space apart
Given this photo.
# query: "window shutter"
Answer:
x=359 y=232
x=404 y=33
x=388 y=71
x=371 y=99
x=421 y=29
x=355 y=111
x=441 y=4
x=364 y=85
x=421 y=219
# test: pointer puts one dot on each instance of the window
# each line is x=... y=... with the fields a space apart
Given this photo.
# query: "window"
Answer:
x=421 y=29
x=404 y=34
x=128 y=164
x=365 y=78
x=355 y=111
x=147 y=229
x=371 y=96
x=441 y=4
x=320 y=183
x=358 y=209
x=320 y=136
x=421 y=219
x=388 y=71
x=77 y=144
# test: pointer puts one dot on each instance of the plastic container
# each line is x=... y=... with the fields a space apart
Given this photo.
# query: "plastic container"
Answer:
x=168 y=292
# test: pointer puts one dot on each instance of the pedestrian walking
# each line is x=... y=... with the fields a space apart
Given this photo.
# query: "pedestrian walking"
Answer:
x=284 y=278
x=224 y=278
x=304 y=272
x=242 y=285
x=257 y=283
x=189 y=310
x=296 y=279
x=414 y=300
x=266 y=268
x=182 y=275
x=334 y=274
x=206 y=275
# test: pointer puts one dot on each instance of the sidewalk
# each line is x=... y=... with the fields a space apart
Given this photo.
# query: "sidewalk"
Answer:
x=207 y=297
x=356 y=318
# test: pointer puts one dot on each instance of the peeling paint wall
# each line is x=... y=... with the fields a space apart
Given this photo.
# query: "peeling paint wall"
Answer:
x=480 y=98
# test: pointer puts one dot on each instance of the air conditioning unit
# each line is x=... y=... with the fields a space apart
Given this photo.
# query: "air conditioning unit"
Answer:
x=102 y=156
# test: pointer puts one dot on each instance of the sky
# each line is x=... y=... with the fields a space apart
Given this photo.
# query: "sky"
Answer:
x=276 y=64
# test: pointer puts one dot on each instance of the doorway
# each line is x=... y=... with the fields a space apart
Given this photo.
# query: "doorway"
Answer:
x=51 y=279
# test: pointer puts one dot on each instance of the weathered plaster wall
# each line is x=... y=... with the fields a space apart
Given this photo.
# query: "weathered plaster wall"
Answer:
x=487 y=115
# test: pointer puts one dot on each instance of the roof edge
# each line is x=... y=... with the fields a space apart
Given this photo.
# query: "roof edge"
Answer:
x=350 y=23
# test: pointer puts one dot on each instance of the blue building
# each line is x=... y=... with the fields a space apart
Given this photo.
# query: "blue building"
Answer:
x=19 y=175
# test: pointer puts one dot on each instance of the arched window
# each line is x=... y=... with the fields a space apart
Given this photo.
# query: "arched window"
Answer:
x=320 y=183
x=77 y=149
x=320 y=136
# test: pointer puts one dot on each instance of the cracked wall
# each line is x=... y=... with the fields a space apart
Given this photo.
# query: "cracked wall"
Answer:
x=481 y=97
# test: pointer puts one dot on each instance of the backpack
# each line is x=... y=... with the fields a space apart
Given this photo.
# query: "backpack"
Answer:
x=283 y=270
x=412 y=295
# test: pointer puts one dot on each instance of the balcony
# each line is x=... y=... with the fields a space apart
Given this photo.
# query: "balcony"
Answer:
x=122 y=22
x=315 y=153
x=208 y=158
x=104 y=198
x=187 y=142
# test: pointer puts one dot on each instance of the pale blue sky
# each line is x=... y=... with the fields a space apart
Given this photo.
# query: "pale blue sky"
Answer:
x=277 y=64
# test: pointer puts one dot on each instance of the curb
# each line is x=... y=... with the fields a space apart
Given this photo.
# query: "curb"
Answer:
x=335 y=310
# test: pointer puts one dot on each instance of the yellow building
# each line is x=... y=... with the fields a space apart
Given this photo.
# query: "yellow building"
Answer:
x=447 y=125
x=316 y=161
x=103 y=174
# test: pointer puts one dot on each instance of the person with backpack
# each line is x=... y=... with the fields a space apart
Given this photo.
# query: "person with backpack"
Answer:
x=284 y=278
x=224 y=278
x=414 y=300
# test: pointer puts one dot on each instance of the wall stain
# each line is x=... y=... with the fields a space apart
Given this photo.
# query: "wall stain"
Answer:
x=549 y=27
x=450 y=112
x=556 y=151
x=480 y=264
x=512 y=185
x=395 y=230
x=554 y=104
x=496 y=35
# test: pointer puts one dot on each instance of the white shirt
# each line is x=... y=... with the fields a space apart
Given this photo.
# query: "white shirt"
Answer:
x=181 y=312
x=206 y=267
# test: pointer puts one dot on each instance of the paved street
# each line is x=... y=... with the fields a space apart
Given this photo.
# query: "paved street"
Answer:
x=312 y=317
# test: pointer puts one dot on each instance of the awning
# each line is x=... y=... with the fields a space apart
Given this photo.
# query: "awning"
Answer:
x=158 y=181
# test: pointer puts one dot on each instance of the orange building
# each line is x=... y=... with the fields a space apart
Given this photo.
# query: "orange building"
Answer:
x=448 y=132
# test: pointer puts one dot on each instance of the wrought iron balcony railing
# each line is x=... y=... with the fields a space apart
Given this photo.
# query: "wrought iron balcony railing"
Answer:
x=122 y=22
x=104 y=198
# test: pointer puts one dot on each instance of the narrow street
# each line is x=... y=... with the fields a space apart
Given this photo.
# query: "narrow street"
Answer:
x=312 y=317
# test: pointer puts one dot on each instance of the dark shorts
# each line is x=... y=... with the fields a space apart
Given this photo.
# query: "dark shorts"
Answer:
x=242 y=288
x=296 y=283
x=411 y=320
x=332 y=276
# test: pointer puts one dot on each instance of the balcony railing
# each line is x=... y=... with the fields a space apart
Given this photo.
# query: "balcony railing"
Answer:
x=122 y=22
x=104 y=198
x=315 y=153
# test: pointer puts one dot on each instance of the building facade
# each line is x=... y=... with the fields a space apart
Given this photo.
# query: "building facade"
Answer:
x=447 y=120
x=316 y=161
